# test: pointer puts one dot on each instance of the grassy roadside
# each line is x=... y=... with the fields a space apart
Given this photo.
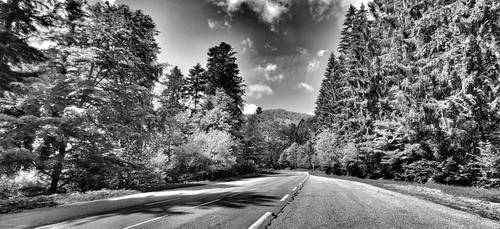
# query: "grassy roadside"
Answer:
x=484 y=202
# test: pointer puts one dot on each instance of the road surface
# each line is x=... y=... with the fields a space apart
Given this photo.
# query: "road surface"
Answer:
x=333 y=203
x=321 y=203
x=236 y=204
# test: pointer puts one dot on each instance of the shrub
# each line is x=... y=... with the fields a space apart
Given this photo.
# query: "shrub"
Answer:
x=245 y=167
x=328 y=152
x=20 y=203
x=24 y=182
x=353 y=160
x=420 y=171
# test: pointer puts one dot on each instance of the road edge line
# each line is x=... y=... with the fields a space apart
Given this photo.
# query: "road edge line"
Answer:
x=290 y=198
x=144 y=222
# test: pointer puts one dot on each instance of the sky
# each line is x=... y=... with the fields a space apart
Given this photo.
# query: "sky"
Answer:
x=282 y=45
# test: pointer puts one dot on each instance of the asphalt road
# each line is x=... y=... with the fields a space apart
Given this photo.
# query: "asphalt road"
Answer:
x=333 y=203
x=236 y=204
x=321 y=203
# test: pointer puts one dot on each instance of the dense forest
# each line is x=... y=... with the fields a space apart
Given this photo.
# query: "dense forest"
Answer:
x=413 y=93
x=86 y=105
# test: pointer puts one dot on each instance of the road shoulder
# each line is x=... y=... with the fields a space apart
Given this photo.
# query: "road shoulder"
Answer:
x=435 y=194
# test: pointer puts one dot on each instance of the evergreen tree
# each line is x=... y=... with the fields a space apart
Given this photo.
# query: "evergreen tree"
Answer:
x=253 y=142
x=18 y=20
x=419 y=97
x=222 y=72
x=195 y=85
x=173 y=92
x=348 y=26
x=325 y=110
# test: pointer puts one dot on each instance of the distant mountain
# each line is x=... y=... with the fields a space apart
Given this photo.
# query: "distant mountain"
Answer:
x=283 y=116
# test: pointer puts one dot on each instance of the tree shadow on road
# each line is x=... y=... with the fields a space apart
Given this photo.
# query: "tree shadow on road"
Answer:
x=184 y=204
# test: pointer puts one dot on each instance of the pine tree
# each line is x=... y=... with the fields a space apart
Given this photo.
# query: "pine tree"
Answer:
x=325 y=110
x=348 y=26
x=253 y=142
x=222 y=72
x=173 y=91
x=195 y=85
x=17 y=23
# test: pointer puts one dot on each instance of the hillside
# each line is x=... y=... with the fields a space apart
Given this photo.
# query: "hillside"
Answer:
x=283 y=116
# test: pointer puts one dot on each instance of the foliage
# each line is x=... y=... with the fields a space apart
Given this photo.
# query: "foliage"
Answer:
x=18 y=21
x=413 y=95
x=328 y=152
x=223 y=73
x=22 y=181
x=214 y=150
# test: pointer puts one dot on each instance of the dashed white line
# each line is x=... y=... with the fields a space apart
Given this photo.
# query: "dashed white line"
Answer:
x=141 y=223
x=206 y=203
x=261 y=220
x=159 y=202
x=294 y=188
x=284 y=198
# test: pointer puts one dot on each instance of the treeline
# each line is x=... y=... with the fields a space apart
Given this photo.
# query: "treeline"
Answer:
x=413 y=94
x=85 y=105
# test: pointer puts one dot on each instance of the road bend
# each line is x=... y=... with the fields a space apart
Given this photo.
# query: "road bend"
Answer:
x=235 y=204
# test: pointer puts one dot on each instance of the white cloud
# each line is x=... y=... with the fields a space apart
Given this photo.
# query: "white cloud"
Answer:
x=258 y=90
x=249 y=109
x=277 y=77
x=321 y=52
x=312 y=65
x=270 y=47
x=247 y=42
x=268 y=11
x=271 y=67
x=270 y=72
x=305 y=86
x=302 y=50
x=214 y=24
x=324 y=9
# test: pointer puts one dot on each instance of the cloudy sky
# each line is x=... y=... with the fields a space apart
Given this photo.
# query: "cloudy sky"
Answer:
x=282 y=45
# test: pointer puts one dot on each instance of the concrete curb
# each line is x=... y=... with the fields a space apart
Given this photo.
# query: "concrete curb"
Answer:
x=265 y=223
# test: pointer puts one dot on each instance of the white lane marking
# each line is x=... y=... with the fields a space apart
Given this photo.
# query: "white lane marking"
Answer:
x=284 y=198
x=141 y=223
x=163 y=201
x=261 y=220
x=234 y=194
x=294 y=188
x=206 y=203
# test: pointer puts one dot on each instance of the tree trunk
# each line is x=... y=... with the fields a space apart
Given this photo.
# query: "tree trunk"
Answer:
x=57 y=169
